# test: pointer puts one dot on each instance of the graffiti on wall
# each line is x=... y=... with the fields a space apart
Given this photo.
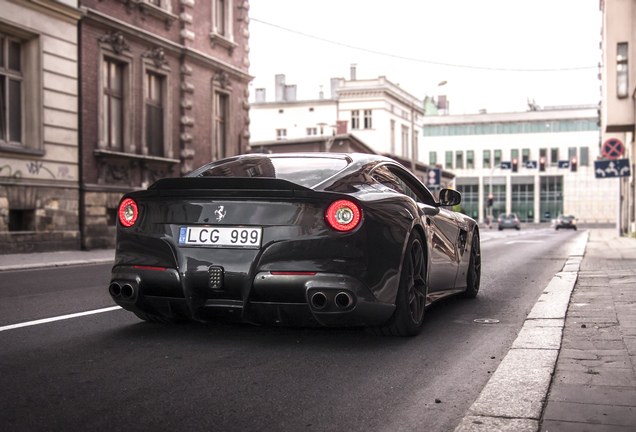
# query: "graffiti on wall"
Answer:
x=35 y=169
x=7 y=172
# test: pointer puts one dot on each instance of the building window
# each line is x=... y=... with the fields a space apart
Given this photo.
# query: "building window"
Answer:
x=622 y=89
x=486 y=158
x=571 y=153
x=11 y=92
x=281 y=134
x=554 y=156
x=514 y=154
x=405 y=141
x=449 y=160
x=497 y=158
x=367 y=119
x=221 y=124
x=470 y=159
x=312 y=131
x=221 y=18
x=355 y=119
x=584 y=159
x=392 y=136
x=432 y=158
x=525 y=156
x=155 y=115
x=459 y=159
x=222 y=30
x=113 y=104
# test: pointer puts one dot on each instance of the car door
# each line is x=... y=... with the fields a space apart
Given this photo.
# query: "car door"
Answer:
x=443 y=234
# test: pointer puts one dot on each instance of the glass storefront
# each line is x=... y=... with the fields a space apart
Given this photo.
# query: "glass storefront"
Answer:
x=470 y=199
x=498 y=202
x=523 y=201
x=551 y=197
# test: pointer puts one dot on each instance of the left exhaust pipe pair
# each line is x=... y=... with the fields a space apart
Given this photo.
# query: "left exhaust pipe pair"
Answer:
x=125 y=291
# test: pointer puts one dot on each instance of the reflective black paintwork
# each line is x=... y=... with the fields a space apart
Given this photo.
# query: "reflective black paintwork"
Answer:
x=304 y=272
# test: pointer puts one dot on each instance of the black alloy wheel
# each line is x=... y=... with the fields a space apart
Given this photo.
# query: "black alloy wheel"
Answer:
x=473 y=278
x=410 y=303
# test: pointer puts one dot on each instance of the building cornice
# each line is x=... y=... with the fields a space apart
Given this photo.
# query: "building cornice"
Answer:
x=585 y=113
x=168 y=45
x=296 y=103
x=62 y=11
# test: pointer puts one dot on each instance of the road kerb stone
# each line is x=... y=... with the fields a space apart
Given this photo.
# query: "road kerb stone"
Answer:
x=518 y=387
x=489 y=424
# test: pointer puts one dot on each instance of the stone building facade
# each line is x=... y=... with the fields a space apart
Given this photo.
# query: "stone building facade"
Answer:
x=39 y=172
x=164 y=90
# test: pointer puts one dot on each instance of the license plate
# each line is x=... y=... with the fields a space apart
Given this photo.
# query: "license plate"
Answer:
x=230 y=237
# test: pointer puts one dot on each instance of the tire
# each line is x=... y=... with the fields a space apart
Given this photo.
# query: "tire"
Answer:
x=410 y=303
x=473 y=276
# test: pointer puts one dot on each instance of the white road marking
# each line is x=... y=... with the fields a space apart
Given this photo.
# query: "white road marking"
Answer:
x=58 y=318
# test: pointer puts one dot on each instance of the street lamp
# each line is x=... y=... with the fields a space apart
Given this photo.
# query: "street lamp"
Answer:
x=413 y=142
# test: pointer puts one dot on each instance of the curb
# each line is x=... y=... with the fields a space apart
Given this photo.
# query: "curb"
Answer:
x=514 y=397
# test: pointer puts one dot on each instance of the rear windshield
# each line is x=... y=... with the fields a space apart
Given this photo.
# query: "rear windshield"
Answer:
x=305 y=171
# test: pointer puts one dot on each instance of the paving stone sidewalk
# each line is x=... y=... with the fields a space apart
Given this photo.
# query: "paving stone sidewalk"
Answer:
x=594 y=383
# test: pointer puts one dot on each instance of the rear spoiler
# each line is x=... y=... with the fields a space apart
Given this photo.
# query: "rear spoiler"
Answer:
x=226 y=186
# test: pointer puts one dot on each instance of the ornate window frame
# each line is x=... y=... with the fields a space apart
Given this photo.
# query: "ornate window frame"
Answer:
x=219 y=36
x=154 y=62
x=115 y=48
x=32 y=105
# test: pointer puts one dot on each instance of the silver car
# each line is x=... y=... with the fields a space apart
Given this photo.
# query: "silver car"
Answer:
x=509 y=220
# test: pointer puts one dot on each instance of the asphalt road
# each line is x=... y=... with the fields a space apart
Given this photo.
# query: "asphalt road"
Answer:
x=108 y=371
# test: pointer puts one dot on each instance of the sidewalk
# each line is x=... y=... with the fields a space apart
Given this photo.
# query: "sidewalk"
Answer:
x=55 y=259
x=573 y=366
x=594 y=384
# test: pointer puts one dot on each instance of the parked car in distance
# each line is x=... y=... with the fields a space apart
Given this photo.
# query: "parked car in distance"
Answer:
x=566 y=221
x=509 y=220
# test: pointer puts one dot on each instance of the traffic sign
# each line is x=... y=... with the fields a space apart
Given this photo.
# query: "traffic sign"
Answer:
x=531 y=164
x=506 y=165
x=612 y=168
x=433 y=178
x=613 y=148
x=564 y=164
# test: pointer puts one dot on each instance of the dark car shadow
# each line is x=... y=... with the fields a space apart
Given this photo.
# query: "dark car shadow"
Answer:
x=258 y=335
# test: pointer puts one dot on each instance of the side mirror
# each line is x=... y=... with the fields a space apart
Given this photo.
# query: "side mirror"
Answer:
x=449 y=198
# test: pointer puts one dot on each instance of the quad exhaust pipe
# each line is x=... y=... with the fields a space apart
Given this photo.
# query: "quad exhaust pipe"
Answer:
x=125 y=291
x=342 y=300
x=319 y=300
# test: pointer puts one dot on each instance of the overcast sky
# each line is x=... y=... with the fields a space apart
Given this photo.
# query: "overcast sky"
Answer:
x=494 y=54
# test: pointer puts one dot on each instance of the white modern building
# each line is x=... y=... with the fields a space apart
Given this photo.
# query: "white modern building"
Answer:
x=554 y=149
x=378 y=112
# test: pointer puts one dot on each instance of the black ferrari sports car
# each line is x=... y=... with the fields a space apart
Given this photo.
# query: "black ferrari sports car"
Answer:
x=294 y=239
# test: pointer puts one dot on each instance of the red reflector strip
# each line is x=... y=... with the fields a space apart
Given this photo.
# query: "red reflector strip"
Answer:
x=278 y=273
x=150 y=268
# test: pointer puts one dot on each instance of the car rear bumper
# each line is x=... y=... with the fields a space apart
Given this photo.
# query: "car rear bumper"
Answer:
x=311 y=299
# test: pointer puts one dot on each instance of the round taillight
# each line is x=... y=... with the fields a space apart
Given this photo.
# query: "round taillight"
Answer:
x=128 y=212
x=343 y=215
